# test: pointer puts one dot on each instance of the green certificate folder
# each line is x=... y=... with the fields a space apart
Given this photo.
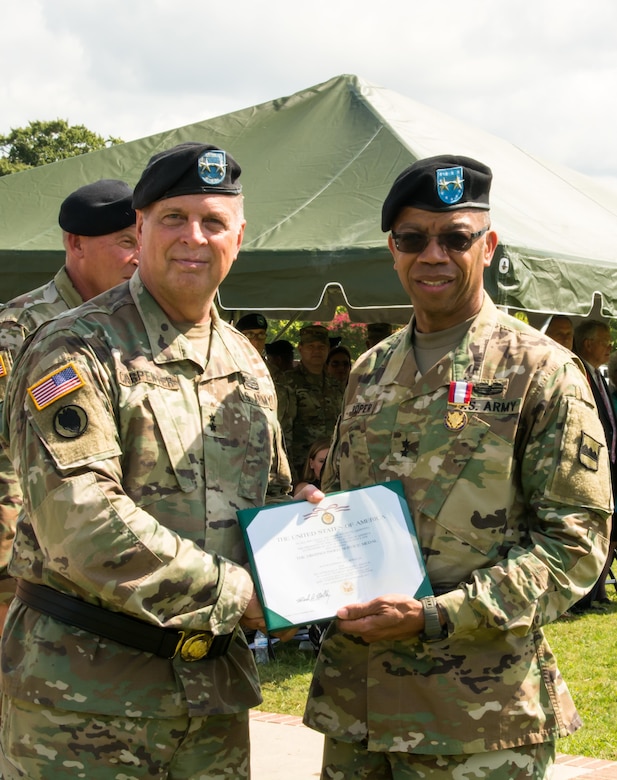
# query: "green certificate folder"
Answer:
x=308 y=560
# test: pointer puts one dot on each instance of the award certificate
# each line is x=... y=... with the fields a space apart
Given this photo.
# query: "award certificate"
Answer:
x=308 y=560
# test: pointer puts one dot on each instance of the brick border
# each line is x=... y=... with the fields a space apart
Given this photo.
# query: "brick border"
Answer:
x=591 y=768
x=272 y=717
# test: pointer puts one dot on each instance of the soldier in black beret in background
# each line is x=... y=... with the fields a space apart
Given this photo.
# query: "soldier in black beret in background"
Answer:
x=279 y=357
x=255 y=328
x=376 y=332
x=100 y=240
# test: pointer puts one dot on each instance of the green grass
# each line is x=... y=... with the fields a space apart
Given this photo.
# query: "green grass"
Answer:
x=586 y=650
x=285 y=680
x=585 y=647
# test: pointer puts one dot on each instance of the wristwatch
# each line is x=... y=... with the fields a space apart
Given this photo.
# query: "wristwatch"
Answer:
x=433 y=630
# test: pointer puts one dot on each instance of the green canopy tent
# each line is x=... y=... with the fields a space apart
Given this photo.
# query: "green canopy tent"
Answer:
x=316 y=168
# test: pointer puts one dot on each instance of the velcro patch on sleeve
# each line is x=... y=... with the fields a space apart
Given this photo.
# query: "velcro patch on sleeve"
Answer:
x=589 y=452
x=581 y=475
x=61 y=382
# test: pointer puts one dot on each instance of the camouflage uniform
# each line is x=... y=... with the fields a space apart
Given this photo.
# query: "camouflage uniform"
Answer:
x=138 y=517
x=511 y=511
x=18 y=319
x=344 y=760
x=312 y=404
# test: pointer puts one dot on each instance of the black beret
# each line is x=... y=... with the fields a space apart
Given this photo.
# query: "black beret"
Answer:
x=443 y=183
x=190 y=168
x=98 y=209
x=250 y=321
x=380 y=330
x=280 y=347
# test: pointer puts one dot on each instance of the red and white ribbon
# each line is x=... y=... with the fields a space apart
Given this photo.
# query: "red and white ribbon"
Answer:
x=460 y=393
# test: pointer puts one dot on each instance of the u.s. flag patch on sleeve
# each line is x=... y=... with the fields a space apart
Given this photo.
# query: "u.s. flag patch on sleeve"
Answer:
x=60 y=382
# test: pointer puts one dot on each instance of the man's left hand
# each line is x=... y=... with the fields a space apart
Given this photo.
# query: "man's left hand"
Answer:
x=389 y=617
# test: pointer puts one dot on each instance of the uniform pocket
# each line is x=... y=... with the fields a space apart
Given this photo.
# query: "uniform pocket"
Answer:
x=237 y=443
x=471 y=490
x=156 y=459
x=254 y=476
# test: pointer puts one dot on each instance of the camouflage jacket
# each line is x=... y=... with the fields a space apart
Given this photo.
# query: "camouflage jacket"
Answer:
x=134 y=454
x=19 y=318
x=510 y=497
x=312 y=405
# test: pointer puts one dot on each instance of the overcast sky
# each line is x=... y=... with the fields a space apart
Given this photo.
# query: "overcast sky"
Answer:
x=540 y=73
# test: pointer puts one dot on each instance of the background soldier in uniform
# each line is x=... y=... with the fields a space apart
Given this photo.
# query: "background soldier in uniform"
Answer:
x=494 y=435
x=139 y=423
x=376 y=332
x=312 y=399
x=255 y=328
x=279 y=358
x=98 y=233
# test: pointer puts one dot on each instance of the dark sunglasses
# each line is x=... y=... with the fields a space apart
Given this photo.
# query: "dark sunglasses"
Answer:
x=453 y=241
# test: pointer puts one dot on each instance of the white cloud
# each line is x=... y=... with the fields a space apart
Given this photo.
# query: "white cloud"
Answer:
x=542 y=75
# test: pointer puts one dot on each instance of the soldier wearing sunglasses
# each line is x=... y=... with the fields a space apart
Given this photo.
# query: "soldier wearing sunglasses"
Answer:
x=494 y=435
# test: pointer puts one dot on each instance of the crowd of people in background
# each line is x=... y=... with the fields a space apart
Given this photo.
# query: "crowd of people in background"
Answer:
x=310 y=388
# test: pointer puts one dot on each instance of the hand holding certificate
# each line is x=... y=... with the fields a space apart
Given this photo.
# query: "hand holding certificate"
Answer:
x=309 y=560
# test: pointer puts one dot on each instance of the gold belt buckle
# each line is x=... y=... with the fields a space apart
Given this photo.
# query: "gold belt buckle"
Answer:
x=194 y=647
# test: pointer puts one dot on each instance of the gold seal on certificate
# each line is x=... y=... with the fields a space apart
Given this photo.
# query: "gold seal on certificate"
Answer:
x=308 y=560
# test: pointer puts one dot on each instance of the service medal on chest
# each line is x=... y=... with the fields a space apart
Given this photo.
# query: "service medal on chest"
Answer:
x=459 y=395
x=455 y=419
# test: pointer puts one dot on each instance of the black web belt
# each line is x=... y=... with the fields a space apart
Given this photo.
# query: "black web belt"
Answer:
x=164 y=642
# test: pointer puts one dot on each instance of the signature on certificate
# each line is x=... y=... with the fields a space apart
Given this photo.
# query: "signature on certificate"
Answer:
x=318 y=596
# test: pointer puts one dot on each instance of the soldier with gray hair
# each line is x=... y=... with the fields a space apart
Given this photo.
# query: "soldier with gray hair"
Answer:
x=494 y=435
x=139 y=423
x=98 y=232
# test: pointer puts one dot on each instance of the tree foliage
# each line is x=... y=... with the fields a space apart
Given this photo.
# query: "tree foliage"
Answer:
x=45 y=142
